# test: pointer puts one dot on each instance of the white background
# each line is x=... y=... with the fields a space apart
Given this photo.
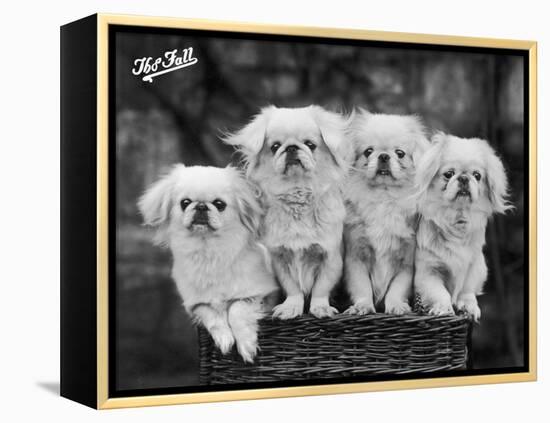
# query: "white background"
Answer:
x=29 y=210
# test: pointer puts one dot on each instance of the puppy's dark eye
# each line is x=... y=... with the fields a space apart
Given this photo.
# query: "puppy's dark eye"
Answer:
x=275 y=147
x=449 y=174
x=310 y=145
x=184 y=203
x=400 y=153
x=219 y=204
x=368 y=152
x=477 y=175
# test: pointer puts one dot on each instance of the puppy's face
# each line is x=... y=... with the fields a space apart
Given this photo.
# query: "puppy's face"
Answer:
x=293 y=144
x=461 y=172
x=207 y=205
x=387 y=147
x=200 y=201
x=462 y=175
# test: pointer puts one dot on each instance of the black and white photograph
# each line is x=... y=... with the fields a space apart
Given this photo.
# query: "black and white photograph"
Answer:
x=275 y=212
x=220 y=211
x=291 y=211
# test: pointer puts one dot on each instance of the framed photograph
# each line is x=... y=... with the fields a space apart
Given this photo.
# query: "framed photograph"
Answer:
x=257 y=211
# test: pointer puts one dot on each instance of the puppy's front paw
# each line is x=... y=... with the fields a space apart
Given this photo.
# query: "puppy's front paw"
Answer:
x=441 y=309
x=247 y=349
x=320 y=307
x=291 y=308
x=361 y=308
x=397 y=307
x=468 y=304
x=323 y=310
x=223 y=338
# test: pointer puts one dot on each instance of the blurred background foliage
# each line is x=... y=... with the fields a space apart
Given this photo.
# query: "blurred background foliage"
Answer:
x=179 y=117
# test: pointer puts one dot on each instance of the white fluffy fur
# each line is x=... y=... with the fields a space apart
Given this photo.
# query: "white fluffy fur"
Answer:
x=450 y=266
x=221 y=271
x=381 y=218
x=304 y=209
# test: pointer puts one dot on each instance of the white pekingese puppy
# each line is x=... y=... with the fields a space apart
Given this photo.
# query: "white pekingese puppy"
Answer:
x=209 y=218
x=462 y=183
x=297 y=156
x=381 y=218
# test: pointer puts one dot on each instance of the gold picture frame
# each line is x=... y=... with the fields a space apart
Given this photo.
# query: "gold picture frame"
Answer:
x=103 y=21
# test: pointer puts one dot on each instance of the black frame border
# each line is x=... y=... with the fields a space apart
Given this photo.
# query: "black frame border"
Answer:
x=113 y=29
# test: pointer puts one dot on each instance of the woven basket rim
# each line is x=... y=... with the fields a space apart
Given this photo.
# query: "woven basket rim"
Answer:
x=342 y=317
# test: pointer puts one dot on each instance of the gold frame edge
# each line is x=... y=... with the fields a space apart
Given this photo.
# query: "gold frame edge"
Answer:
x=103 y=21
x=102 y=213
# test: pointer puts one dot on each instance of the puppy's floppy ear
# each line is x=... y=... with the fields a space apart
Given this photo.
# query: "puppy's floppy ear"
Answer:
x=155 y=204
x=247 y=194
x=360 y=115
x=333 y=128
x=250 y=139
x=428 y=165
x=354 y=122
x=497 y=182
x=418 y=131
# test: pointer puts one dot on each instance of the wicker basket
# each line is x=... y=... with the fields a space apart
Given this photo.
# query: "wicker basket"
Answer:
x=343 y=346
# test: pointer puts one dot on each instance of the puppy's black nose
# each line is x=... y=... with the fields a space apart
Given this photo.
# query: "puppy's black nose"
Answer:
x=463 y=179
x=201 y=207
x=384 y=158
x=291 y=149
